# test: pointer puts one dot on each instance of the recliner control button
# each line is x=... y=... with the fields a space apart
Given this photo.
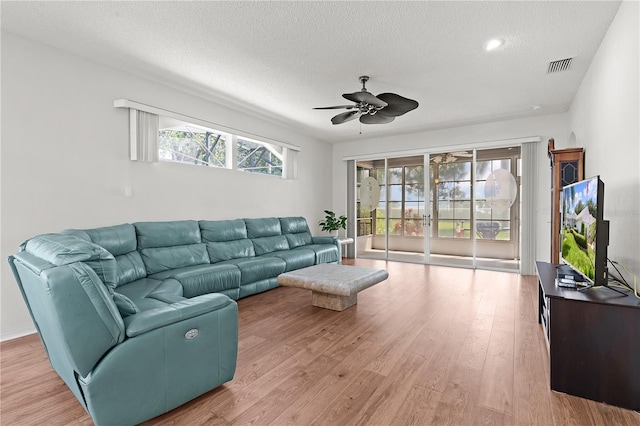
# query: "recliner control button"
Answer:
x=191 y=334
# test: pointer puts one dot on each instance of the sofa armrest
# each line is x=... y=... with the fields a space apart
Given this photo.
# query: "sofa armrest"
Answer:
x=329 y=240
x=324 y=240
x=159 y=317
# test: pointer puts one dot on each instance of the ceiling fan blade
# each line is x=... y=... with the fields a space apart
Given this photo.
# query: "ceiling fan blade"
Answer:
x=396 y=104
x=375 y=119
x=337 y=107
x=364 y=97
x=462 y=154
x=345 y=116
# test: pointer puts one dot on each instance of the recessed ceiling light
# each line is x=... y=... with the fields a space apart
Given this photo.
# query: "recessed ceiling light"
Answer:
x=493 y=44
x=536 y=107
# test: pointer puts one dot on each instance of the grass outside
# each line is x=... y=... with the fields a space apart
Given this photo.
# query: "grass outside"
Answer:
x=446 y=229
x=581 y=259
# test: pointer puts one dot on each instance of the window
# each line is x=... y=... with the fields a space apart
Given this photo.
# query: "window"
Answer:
x=491 y=224
x=454 y=215
x=364 y=217
x=188 y=143
x=405 y=200
x=258 y=157
x=160 y=135
x=453 y=203
x=413 y=201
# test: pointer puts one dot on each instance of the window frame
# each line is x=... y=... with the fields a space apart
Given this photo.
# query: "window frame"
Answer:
x=385 y=193
x=289 y=152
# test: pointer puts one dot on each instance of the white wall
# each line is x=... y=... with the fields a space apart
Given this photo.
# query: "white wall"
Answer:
x=474 y=136
x=605 y=118
x=65 y=160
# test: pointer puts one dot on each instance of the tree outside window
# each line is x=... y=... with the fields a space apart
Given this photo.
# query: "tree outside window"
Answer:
x=192 y=145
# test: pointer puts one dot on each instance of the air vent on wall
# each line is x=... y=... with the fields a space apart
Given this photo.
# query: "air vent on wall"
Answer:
x=559 y=65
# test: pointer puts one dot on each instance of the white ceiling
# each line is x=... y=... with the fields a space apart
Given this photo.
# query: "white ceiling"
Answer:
x=281 y=59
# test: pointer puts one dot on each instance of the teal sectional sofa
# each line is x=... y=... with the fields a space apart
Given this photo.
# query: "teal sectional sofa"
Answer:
x=140 y=318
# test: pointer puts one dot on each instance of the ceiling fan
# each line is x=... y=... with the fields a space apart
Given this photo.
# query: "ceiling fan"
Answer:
x=449 y=157
x=380 y=109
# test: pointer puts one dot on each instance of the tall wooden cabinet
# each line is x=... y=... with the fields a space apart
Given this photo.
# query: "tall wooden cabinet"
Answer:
x=567 y=167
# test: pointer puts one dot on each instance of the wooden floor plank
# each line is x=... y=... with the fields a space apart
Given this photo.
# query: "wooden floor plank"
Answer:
x=350 y=400
x=529 y=391
x=459 y=398
x=390 y=394
x=326 y=390
x=496 y=390
x=418 y=408
x=474 y=348
x=262 y=412
x=430 y=345
x=434 y=374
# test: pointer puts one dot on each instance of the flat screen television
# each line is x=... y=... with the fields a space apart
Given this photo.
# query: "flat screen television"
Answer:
x=584 y=233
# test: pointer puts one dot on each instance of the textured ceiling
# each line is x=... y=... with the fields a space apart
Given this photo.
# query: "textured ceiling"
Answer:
x=281 y=59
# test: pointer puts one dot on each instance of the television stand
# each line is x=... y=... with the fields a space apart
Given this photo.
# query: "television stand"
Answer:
x=593 y=338
x=604 y=286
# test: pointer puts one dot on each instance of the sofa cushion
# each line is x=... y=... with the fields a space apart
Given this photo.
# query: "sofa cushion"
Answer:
x=149 y=293
x=121 y=242
x=148 y=287
x=220 y=251
x=265 y=227
x=117 y=240
x=223 y=230
x=266 y=245
x=258 y=287
x=130 y=267
x=179 y=312
x=167 y=234
x=60 y=249
x=293 y=225
x=325 y=253
x=202 y=279
x=299 y=239
x=257 y=269
x=296 y=231
x=296 y=258
x=124 y=304
x=167 y=258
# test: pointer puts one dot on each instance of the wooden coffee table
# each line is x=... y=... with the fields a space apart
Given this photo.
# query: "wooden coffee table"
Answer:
x=333 y=286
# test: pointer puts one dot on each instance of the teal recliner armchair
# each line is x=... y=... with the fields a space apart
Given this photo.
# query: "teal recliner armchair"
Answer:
x=123 y=369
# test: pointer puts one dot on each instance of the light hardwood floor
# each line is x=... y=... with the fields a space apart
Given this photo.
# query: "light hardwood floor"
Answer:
x=431 y=345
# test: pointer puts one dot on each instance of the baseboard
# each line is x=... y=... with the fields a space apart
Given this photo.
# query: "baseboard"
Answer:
x=14 y=334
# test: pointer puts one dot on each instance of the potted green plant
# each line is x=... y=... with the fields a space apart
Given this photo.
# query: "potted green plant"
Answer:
x=332 y=224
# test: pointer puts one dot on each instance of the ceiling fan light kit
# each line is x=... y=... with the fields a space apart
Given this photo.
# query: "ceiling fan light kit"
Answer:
x=449 y=157
x=371 y=109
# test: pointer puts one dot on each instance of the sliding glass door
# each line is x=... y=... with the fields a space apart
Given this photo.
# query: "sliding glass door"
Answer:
x=394 y=227
x=497 y=208
x=451 y=208
x=452 y=239
x=476 y=208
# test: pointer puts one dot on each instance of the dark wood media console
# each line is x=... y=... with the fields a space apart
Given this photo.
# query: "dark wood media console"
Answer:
x=593 y=338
